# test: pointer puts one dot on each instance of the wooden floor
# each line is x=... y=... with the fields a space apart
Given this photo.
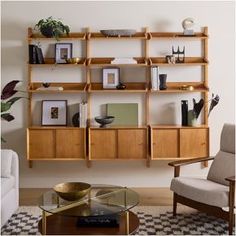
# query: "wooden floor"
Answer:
x=148 y=196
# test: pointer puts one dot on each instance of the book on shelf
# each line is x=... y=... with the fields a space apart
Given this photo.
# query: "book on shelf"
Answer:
x=123 y=60
x=53 y=88
x=154 y=77
x=35 y=55
x=83 y=107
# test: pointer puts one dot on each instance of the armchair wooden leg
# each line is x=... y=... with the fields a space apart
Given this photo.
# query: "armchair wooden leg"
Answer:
x=231 y=207
x=174 y=205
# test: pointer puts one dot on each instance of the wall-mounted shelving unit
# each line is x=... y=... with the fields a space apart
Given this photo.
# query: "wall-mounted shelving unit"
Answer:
x=146 y=142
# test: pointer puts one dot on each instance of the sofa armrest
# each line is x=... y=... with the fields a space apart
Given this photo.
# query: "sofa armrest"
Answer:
x=190 y=161
x=15 y=171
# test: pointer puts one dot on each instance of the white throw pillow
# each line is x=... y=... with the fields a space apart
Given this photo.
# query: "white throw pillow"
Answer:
x=6 y=159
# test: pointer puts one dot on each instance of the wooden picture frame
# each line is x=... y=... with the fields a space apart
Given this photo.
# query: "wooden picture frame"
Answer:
x=63 y=51
x=54 y=113
x=110 y=77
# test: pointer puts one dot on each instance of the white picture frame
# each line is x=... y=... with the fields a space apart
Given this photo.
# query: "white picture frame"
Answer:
x=54 y=113
x=63 y=52
x=110 y=77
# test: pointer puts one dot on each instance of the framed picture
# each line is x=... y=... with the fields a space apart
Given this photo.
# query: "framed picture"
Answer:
x=54 y=112
x=110 y=77
x=63 y=52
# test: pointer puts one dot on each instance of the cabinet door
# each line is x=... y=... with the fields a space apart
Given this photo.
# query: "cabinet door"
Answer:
x=165 y=143
x=70 y=143
x=103 y=144
x=132 y=144
x=193 y=142
x=41 y=144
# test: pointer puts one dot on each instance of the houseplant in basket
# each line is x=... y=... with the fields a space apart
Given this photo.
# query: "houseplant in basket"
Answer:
x=50 y=27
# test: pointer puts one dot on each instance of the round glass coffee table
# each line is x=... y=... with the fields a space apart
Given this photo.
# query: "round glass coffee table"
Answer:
x=104 y=210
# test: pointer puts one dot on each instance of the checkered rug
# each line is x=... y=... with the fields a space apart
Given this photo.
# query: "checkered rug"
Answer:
x=195 y=223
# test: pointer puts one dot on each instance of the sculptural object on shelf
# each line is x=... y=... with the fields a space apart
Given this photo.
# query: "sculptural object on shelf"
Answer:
x=187 y=24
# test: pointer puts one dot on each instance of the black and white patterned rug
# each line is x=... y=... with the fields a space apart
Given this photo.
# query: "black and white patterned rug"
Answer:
x=25 y=223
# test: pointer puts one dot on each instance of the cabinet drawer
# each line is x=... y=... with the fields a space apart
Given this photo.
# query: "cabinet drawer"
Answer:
x=70 y=144
x=41 y=144
x=103 y=144
x=165 y=143
x=132 y=144
x=193 y=142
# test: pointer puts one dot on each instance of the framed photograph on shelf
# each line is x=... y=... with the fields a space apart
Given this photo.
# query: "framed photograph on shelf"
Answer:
x=63 y=52
x=54 y=112
x=110 y=77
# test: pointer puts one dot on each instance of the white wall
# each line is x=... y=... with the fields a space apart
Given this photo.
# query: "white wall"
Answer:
x=158 y=16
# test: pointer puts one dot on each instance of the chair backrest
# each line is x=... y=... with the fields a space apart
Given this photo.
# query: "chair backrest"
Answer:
x=223 y=165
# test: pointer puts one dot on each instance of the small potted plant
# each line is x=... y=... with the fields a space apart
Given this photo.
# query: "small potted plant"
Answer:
x=50 y=27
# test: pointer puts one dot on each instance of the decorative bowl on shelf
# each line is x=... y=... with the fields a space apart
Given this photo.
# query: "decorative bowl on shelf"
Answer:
x=74 y=60
x=104 y=120
x=118 y=32
x=72 y=191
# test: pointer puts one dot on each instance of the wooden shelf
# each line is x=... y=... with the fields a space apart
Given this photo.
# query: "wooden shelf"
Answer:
x=172 y=158
x=176 y=35
x=56 y=159
x=98 y=35
x=175 y=87
x=120 y=127
x=130 y=88
x=71 y=36
x=106 y=61
x=189 y=61
x=156 y=126
x=54 y=127
x=67 y=88
x=52 y=62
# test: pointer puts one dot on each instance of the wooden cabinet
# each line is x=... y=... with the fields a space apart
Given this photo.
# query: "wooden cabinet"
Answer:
x=69 y=143
x=118 y=143
x=193 y=142
x=56 y=144
x=41 y=144
x=179 y=142
x=132 y=144
x=165 y=143
x=103 y=144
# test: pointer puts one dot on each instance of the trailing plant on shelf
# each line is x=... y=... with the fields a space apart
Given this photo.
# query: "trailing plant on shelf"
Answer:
x=50 y=27
x=7 y=101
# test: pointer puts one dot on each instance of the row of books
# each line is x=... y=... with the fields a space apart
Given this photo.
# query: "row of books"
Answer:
x=35 y=55
x=155 y=77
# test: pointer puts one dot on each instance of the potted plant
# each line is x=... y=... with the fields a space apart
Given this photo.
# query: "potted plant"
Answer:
x=50 y=27
x=7 y=101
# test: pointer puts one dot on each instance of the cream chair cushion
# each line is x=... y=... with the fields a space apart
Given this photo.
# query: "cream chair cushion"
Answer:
x=201 y=190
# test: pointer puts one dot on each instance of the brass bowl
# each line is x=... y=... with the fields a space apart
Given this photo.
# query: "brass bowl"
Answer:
x=74 y=60
x=72 y=191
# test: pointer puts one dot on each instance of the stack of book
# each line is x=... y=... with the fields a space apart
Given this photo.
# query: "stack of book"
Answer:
x=83 y=107
x=35 y=55
x=154 y=77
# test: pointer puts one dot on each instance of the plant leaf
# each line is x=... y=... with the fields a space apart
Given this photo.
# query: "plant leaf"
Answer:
x=8 y=90
x=7 y=116
x=5 y=106
x=13 y=100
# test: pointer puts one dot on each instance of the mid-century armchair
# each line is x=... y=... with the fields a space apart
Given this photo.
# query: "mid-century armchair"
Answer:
x=214 y=195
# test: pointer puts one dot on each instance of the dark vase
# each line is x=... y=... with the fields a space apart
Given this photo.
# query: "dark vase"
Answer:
x=75 y=119
x=47 y=31
x=162 y=78
x=184 y=111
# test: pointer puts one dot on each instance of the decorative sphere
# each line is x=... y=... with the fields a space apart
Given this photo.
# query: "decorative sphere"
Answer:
x=188 y=23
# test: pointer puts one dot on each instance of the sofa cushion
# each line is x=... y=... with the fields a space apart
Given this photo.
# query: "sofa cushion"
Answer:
x=201 y=190
x=227 y=139
x=6 y=185
x=222 y=167
x=6 y=161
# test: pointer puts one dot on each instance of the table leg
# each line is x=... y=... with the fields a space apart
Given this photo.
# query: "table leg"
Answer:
x=127 y=222
x=44 y=222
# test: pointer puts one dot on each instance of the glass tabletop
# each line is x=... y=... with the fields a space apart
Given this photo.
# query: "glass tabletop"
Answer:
x=102 y=200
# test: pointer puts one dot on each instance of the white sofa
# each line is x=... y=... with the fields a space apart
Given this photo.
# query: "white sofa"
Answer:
x=9 y=184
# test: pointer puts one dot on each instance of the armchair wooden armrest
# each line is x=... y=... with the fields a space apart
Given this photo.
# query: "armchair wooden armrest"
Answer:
x=231 y=179
x=177 y=164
